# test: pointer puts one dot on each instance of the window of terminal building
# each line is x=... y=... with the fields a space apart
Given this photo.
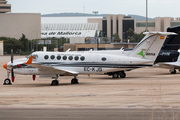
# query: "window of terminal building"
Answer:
x=104 y=24
x=85 y=49
x=150 y=24
x=127 y=24
x=175 y=24
x=4 y=7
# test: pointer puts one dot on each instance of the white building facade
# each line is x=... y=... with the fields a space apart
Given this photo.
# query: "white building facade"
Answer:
x=1 y=48
x=68 y=27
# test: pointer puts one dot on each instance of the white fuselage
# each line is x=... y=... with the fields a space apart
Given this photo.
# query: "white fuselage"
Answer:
x=81 y=63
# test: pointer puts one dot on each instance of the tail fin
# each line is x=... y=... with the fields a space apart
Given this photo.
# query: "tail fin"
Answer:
x=149 y=47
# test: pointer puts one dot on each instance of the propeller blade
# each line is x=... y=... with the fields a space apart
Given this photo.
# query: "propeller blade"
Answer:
x=12 y=75
x=12 y=71
x=11 y=55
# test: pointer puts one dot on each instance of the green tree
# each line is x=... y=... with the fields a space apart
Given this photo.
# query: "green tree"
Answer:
x=138 y=37
x=105 y=39
x=132 y=39
x=116 y=37
x=12 y=43
x=24 y=41
x=130 y=32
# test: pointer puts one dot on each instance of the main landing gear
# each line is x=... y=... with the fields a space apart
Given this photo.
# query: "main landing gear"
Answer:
x=121 y=74
x=172 y=71
x=74 y=80
x=56 y=82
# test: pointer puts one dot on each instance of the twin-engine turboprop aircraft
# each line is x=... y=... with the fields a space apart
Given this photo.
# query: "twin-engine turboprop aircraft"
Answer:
x=55 y=64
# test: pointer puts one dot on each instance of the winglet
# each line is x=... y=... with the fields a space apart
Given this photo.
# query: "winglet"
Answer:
x=30 y=60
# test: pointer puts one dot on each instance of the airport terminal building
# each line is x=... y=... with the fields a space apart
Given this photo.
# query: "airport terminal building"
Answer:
x=106 y=27
x=68 y=27
x=14 y=24
x=34 y=26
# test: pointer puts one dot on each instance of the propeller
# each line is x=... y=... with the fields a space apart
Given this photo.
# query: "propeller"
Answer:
x=12 y=71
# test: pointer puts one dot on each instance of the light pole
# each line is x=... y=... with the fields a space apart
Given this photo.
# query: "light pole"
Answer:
x=46 y=36
x=95 y=12
x=31 y=41
x=146 y=15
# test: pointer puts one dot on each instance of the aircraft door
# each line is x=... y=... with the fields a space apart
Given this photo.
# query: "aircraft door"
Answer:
x=92 y=58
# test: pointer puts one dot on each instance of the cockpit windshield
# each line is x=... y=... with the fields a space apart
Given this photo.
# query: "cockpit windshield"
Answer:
x=28 y=56
x=34 y=56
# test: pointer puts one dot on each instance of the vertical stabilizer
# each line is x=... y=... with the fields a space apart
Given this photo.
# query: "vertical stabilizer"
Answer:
x=149 y=47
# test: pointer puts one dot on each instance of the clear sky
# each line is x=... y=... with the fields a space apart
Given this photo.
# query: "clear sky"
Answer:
x=156 y=8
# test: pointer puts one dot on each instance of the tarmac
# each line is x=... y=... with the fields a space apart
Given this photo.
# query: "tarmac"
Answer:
x=145 y=93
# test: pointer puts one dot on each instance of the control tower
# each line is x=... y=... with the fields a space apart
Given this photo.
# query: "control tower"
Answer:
x=4 y=7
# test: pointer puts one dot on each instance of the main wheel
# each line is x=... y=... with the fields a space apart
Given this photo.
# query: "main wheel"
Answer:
x=115 y=75
x=74 y=81
x=55 y=82
x=173 y=72
x=122 y=74
x=7 y=82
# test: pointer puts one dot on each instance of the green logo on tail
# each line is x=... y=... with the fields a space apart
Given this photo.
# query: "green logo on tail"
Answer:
x=141 y=54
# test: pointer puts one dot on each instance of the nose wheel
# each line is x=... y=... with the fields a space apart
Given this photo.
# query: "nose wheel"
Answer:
x=7 y=82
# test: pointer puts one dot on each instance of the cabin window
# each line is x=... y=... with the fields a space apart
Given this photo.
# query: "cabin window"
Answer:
x=103 y=59
x=70 y=57
x=58 y=57
x=46 y=57
x=64 y=57
x=76 y=58
x=52 y=57
x=82 y=58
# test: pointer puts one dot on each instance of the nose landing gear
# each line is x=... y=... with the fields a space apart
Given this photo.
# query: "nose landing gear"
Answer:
x=7 y=81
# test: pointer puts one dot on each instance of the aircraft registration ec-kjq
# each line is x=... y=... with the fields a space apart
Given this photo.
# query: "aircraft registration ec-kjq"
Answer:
x=55 y=64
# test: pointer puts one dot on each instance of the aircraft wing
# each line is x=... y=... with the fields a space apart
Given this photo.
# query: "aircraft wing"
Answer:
x=169 y=65
x=53 y=69
x=49 y=68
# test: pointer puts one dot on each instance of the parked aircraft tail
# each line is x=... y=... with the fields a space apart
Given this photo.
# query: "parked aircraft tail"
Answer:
x=149 y=47
x=169 y=51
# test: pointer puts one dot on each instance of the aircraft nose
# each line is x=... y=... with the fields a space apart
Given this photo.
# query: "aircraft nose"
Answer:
x=5 y=66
